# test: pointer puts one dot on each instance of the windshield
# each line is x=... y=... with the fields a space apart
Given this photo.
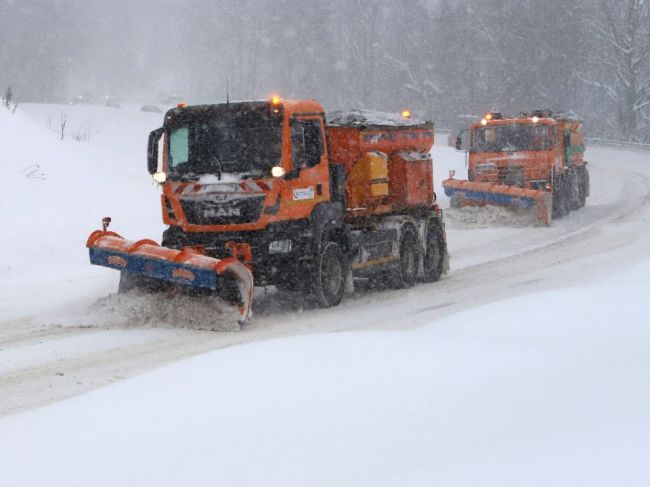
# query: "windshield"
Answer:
x=249 y=144
x=511 y=138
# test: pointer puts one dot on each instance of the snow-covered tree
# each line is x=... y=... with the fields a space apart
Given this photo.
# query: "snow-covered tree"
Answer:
x=622 y=53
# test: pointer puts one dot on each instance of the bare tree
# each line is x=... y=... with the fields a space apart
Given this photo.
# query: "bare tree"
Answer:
x=64 y=120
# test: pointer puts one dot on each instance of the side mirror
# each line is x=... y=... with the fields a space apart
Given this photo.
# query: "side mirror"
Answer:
x=152 y=150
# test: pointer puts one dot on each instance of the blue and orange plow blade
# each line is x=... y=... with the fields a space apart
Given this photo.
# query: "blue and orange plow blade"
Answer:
x=187 y=267
x=471 y=193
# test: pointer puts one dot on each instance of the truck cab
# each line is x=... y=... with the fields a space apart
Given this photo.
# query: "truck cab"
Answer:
x=259 y=174
x=522 y=152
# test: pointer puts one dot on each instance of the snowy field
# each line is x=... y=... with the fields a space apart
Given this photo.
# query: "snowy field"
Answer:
x=526 y=365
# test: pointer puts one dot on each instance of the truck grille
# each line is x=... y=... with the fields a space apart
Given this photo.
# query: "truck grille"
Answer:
x=511 y=175
x=206 y=212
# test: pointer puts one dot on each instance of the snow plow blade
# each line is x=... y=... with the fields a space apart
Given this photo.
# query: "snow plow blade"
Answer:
x=471 y=193
x=187 y=267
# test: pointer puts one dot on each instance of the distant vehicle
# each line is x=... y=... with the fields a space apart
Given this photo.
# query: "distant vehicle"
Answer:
x=112 y=104
x=151 y=109
x=459 y=137
x=531 y=161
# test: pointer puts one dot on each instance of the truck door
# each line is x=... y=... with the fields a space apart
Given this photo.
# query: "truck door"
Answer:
x=310 y=176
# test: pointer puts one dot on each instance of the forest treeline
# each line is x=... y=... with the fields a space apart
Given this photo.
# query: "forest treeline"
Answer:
x=441 y=58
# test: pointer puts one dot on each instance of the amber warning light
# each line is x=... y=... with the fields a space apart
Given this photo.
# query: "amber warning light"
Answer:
x=406 y=114
x=276 y=104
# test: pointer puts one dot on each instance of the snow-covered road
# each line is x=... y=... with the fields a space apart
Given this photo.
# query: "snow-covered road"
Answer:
x=50 y=356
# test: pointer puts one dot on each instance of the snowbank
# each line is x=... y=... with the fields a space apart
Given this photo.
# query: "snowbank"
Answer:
x=547 y=389
x=55 y=193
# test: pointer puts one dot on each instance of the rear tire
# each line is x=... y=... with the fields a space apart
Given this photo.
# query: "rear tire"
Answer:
x=407 y=271
x=330 y=273
x=583 y=177
x=433 y=259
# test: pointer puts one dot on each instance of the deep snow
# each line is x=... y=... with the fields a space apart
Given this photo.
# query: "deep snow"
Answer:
x=56 y=192
x=538 y=390
x=542 y=389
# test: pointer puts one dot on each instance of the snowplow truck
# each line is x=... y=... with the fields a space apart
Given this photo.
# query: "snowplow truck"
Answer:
x=533 y=162
x=304 y=202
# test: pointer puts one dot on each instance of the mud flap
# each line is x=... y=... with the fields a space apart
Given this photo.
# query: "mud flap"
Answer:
x=187 y=267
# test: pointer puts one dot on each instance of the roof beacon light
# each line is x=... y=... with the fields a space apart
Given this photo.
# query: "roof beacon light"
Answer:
x=181 y=105
x=406 y=114
x=488 y=117
x=276 y=104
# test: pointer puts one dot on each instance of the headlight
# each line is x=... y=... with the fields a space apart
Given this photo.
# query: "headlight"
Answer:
x=160 y=177
x=278 y=171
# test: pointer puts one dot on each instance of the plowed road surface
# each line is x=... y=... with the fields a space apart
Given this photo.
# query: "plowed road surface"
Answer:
x=42 y=362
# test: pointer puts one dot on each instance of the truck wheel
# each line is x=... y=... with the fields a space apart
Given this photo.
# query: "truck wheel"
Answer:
x=560 y=198
x=434 y=257
x=407 y=271
x=574 y=189
x=329 y=281
x=583 y=176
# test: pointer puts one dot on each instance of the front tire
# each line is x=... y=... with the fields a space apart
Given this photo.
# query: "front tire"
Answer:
x=560 y=198
x=329 y=278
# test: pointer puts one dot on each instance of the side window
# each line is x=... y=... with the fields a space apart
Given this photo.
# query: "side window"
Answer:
x=307 y=142
x=179 y=152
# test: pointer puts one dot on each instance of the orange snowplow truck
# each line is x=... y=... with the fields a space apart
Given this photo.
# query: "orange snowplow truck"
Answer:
x=306 y=203
x=533 y=162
